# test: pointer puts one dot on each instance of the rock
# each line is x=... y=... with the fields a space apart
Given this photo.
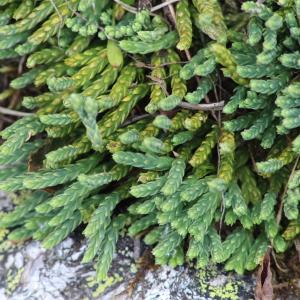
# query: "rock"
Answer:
x=57 y=274
x=18 y=260
x=9 y=262
x=5 y=202
x=30 y=272
x=168 y=283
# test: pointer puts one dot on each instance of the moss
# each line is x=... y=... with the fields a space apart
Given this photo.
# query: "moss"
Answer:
x=133 y=268
x=218 y=286
x=4 y=243
x=100 y=288
x=13 y=280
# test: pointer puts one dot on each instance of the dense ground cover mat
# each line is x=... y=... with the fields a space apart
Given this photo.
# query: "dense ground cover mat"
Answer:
x=174 y=121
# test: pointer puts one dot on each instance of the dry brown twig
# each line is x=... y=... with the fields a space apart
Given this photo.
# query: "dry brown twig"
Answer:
x=212 y=107
x=217 y=106
x=160 y=82
x=134 y=10
x=279 y=213
x=136 y=118
x=127 y=7
x=10 y=112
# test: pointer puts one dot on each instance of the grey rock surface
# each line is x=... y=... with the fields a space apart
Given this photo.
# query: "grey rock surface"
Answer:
x=29 y=272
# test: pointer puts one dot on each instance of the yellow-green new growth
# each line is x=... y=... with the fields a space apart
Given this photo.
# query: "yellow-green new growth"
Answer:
x=211 y=20
x=158 y=88
x=54 y=23
x=89 y=71
x=174 y=178
x=202 y=153
x=273 y=164
x=119 y=90
x=177 y=83
x=23 y=10
x=225 y=58
x=101 y=85
x=196 y=121
x=111 y=121
x=82 y=58
x=44 y=56
x=87 y=109
x=227 y=151
x=38 y=14
x=184 y=25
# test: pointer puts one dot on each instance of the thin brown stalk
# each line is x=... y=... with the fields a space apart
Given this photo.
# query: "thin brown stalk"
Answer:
x=135 y=119
x=279 y=213
x=162 y=5
x=126 y=6
x=217 y=106
x=10 y=112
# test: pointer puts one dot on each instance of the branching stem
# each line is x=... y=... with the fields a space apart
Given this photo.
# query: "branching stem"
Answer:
x=205 y=107
x=10 y=112
x=279 y=213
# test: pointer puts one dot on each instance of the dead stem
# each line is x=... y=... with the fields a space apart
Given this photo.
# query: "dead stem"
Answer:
x=136 y=118
x=10 y=112
x=162 y=5
x=217 y=106
x=279 y=213
x=126 y=6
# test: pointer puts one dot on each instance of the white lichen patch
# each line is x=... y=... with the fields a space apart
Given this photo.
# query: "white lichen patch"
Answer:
x=168 y=284
x=41 y=274
x=31 y=272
